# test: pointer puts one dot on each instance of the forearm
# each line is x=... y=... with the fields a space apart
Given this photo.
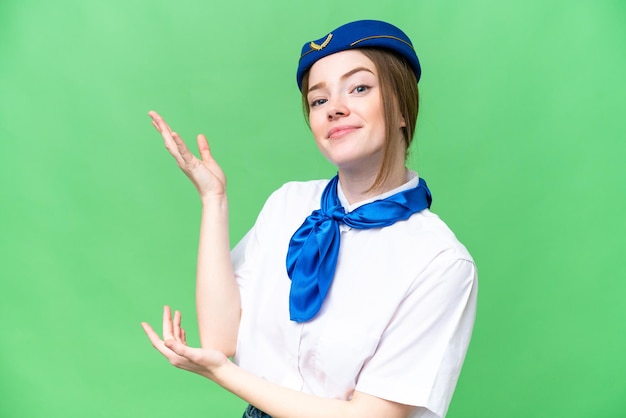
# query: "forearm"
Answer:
x=217 y=295
x=276 y=400
x=281 y=402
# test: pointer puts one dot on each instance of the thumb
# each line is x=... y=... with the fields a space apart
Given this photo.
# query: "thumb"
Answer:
x=203 y=148
x=177 y=347
x=183 y=350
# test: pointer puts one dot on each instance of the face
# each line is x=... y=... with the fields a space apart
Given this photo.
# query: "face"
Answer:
x=346 y=111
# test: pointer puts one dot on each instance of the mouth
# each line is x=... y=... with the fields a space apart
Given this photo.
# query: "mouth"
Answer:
x=339 y=131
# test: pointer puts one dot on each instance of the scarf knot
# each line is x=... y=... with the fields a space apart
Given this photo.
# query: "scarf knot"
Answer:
x=336 y=213
x=314 y=247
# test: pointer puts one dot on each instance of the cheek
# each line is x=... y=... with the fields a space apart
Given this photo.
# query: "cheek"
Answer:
x=316 y=123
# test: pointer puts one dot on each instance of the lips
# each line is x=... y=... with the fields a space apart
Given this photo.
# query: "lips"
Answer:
x=339 y=131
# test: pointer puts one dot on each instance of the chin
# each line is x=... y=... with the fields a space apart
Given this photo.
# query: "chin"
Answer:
x=357 y=164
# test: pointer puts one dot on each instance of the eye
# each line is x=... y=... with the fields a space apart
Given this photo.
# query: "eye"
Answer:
x=361 y=88
x=317 y=102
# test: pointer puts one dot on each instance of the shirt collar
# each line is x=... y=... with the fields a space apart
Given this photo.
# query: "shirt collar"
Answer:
x=412 y=181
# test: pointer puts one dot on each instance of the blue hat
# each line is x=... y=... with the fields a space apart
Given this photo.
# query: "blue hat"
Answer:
x=359 y=34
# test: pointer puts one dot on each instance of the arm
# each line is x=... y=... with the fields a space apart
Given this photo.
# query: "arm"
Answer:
x=280 y=402
x=217 y=296
x=276 y=400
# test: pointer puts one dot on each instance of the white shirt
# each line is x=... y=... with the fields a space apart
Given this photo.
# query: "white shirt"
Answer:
x=397 y=319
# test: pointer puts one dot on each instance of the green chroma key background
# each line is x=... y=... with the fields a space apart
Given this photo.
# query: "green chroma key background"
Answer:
x=521 y=137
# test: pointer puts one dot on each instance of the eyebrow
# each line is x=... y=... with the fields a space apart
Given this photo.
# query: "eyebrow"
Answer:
x=343 y=77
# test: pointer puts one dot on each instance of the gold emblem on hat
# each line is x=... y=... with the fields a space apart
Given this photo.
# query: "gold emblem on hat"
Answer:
x=323 y=44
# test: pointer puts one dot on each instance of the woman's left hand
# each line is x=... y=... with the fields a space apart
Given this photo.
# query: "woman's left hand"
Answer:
x=173 y=346
x=274 y=399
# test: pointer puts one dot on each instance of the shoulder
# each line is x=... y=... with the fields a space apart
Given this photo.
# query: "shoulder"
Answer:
x=423 y=252
x=311 y=189
x=440 y=237
x=425 y=237
x=290 y=204
x=296 y=196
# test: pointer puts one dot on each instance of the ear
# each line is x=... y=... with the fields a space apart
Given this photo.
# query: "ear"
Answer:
x=402 y=122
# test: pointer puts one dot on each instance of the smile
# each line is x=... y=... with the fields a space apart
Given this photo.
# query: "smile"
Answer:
x=340 y=131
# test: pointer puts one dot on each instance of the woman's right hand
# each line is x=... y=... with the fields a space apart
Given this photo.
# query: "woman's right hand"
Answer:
x=206 y=174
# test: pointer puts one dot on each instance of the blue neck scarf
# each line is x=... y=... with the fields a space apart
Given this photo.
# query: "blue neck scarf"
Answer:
x=314 y=247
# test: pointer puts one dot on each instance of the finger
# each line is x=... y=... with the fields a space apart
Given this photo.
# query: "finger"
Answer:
x=173 y=142
x=164 y=129
x=192 y=354
x=168 y=332
x=177 y=329
x=152 y=335
x=160 y=123
x=166 y=133
x=203 y=148
x=159 y=344
x=183 y=151
x=183 y=335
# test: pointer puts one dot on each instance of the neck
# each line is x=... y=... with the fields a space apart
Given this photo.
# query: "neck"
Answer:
x=357 y=186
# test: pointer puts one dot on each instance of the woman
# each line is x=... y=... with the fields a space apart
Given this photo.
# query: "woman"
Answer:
x=348 y=297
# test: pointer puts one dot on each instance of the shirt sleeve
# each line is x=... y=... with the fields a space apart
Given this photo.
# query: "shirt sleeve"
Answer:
x=238 y=260
x=420 y=354
x=248 y=252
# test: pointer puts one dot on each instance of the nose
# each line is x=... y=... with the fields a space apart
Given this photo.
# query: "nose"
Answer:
x=337 y=109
